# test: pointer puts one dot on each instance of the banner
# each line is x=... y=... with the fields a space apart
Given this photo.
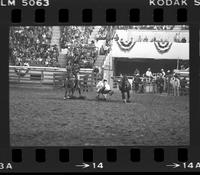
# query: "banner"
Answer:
x=152 y=50
x=125 y=45
x=163 y=47
x=134 y=44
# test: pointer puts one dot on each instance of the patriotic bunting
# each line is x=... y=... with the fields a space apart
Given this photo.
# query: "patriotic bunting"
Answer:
x=125 y=45
x=163 y=47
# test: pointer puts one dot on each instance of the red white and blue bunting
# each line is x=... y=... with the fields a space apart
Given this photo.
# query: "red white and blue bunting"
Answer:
x=163 y=47
x=125 y=45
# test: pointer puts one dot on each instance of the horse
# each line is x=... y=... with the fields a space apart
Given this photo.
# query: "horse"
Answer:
x=159 y=84
x=125 y=87
x=135 y=83
x=77 y=86
x=85 y=83
x=68 y=85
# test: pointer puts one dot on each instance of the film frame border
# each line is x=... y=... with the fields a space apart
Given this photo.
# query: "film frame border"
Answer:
x=147 y=151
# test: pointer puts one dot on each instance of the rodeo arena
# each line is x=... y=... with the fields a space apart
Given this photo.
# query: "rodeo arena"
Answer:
x=99 y=85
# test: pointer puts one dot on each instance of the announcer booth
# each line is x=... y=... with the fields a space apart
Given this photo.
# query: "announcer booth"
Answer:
x=127 y=55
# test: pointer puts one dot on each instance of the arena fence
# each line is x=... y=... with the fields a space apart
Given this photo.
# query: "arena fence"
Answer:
x=45 y=75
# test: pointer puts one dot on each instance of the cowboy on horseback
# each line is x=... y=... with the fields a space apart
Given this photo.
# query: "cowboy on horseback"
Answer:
x=68 y=82
x=76 y=84
x=71 y=82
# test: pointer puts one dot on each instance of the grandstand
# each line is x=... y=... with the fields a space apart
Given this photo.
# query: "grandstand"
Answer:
x=88 y=46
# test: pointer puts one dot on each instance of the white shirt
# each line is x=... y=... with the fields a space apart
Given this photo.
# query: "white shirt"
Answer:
x=149 y=73
x=100 y=85
x=107 y=86
x=163 y=74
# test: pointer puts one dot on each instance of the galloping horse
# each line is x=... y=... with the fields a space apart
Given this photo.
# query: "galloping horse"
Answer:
x=125 y=87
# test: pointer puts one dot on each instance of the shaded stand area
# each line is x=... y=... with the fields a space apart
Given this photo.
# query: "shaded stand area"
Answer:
x=128 y=66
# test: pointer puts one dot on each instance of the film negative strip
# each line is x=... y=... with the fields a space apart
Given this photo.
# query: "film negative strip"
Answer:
x=100 y=86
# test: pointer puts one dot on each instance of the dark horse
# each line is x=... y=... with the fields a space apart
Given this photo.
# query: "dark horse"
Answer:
x=71 y=84
x=77 y=85
x=125 y=87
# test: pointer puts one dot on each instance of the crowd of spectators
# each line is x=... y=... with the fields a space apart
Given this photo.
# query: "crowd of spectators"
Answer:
x=31 y=46
x=83 y=55
x=161 y=82
x=152 y=27
x=74 y=42
x=107 y=33
x=177 y=38
x=75 y=35
x=146 y=27
x=102 y=34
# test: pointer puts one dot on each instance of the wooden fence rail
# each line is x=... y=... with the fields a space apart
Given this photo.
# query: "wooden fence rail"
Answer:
x=44 y=75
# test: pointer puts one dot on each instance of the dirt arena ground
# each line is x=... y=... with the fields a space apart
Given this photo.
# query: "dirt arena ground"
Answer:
x=40 y=117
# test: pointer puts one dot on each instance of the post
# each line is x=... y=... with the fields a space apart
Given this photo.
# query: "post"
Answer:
x=54 y=79
x=177 y=65
x=109 y=71
x=92 y=83
x=42 y=77
x=19 y=76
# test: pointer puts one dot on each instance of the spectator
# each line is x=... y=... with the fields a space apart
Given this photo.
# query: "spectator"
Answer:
x=136 y=72
x=136 y=82
x=182 y=67
x=168 y=85
x=183 y=83
x=163 y=73
x=149 y=73
x=160 y=84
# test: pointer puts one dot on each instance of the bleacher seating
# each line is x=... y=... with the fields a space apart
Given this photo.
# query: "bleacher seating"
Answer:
x=31 y=46
x=74 y=40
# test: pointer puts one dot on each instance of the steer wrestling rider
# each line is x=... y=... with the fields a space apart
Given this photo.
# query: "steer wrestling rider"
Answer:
x=103 y=88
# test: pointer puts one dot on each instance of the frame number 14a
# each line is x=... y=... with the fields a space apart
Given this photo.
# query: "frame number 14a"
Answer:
x=185 y=165
x=191 y=165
